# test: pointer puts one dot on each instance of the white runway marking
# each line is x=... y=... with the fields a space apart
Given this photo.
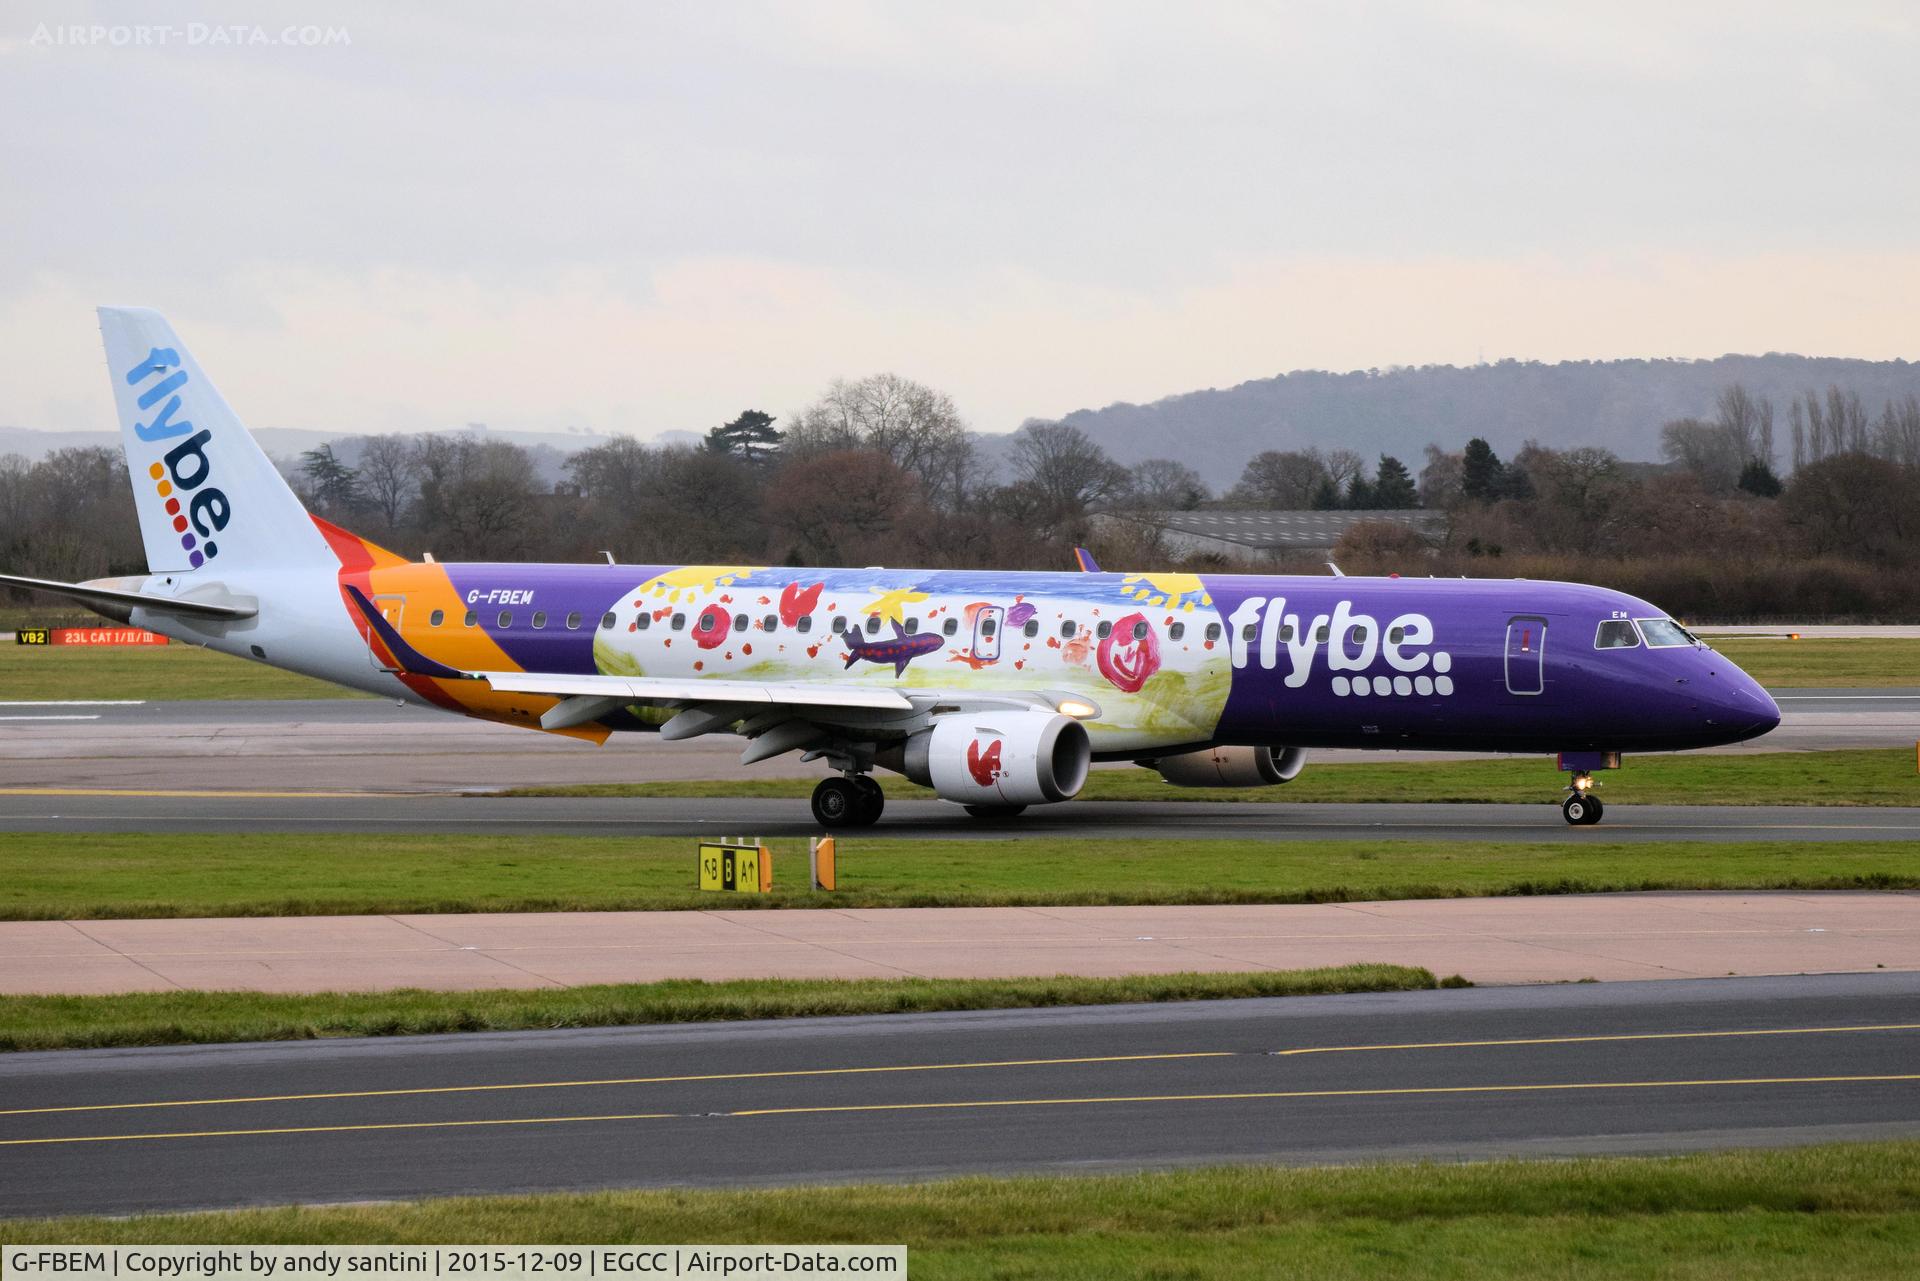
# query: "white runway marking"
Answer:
x=78 y=702
x=94 y=717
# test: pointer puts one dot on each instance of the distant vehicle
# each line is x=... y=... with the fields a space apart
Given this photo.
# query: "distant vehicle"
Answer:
x=998 y=690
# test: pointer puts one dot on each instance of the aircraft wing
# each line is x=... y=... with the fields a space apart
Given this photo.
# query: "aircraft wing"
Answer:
x=660 y=689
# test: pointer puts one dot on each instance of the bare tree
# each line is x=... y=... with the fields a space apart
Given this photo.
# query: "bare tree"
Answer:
x=1065 y=468
x=1281 y=480
x=389 y=478
x=917 y=428
x=1161 y=484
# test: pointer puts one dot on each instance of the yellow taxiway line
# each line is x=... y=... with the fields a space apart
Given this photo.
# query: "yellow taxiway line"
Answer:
x=1095 y=1100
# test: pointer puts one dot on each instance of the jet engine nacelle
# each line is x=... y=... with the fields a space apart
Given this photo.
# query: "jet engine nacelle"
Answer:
x=1233 y=766
x=1001 y=757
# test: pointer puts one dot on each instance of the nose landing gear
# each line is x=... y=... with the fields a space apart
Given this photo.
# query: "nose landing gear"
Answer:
x=1582 y=808
x=854 y=800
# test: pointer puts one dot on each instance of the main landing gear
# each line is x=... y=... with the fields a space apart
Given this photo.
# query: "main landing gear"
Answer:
x=1582 y=808
x=851 y=801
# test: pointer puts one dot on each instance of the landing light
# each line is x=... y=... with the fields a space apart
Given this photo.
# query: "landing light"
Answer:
x=1078 y=708
x=1583 y=782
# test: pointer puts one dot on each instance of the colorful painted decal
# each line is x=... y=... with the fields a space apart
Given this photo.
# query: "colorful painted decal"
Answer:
x=984 y=765
x=1129 y=655
x=899 y=650
x=710 y=629
x=797 y=602
x=184 y=469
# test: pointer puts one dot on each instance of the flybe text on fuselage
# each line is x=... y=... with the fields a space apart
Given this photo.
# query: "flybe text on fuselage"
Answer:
x=1361 y=656
x=183 y=469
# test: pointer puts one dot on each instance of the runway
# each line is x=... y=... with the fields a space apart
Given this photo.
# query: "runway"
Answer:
x=1660 y=1067
x=368 y=745
x=41 y=811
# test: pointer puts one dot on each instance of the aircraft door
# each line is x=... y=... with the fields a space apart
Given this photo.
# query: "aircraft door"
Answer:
x=1526 y=655
x=986 y=633
x=391 y=609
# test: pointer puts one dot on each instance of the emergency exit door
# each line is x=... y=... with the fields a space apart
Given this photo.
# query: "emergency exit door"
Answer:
x=1526 y=655
x=391 y=609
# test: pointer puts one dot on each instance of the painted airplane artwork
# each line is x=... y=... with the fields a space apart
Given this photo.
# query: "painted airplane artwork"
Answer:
x=999 y=690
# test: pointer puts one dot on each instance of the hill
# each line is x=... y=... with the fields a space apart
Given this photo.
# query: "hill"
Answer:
x=1617 y=404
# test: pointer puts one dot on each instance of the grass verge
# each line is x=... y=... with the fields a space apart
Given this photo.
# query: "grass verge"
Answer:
x=1849 y=776
x=1844 y=1210
x=182 y=1018
x=1835 y=662
x=59 y=876
x=159 y=672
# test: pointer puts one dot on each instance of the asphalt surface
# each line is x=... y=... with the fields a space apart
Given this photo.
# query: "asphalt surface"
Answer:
x=619 y=816
x=1657 y=1067
x=370 y=745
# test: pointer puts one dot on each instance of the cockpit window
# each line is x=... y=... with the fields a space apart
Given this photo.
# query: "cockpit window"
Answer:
x=1616 y=633
x=1664 y=633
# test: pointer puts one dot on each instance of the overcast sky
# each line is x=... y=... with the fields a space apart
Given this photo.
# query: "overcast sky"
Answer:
x=643 y=217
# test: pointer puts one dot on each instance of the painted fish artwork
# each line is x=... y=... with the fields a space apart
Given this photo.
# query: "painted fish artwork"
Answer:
x=899 y=649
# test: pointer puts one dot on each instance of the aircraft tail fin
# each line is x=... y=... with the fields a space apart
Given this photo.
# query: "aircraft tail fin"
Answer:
x=208 y=497
x=1085 y=560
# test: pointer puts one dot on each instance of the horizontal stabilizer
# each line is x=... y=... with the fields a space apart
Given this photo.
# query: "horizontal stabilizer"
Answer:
x=115 y=602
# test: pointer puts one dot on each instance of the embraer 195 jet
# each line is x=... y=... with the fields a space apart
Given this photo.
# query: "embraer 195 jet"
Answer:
x=997 y=690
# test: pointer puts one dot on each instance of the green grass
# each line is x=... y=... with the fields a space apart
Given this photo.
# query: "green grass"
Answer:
x=1829 y=663
x=1851 y=776
x=1817 y=1213
x=151 y=672
x=53 y=876
x=182 y=1018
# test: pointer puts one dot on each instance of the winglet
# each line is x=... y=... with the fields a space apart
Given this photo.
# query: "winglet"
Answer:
x=1087 y=563
x=411 y=660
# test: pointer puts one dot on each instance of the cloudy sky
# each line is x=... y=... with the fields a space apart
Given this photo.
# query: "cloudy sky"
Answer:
x=644 y=217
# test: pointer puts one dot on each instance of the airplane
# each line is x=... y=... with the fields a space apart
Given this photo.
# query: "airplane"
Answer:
x=998 y=690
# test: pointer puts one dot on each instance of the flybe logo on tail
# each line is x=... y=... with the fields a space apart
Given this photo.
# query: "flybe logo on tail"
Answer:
x=183 y=470
x=1356 y=648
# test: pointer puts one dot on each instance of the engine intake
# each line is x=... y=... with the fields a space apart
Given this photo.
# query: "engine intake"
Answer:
x=1232 y=766
x=1000 y=757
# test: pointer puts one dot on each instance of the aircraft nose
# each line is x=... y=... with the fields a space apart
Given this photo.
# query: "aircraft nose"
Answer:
x=1745 y=707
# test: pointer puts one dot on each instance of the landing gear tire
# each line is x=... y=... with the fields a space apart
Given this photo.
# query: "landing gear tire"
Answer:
x=836 y=803
x=872 y=800
x=995 y=811
x=1582 y=810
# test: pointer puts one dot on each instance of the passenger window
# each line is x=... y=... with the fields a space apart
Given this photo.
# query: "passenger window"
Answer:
x=913 y=625
x=1246 y=633
x=1176 y=631
x=1358 y=636
x=950 y=627
x=1104 y=630
x=643 y=622
x=1321 y=634
x=707 y=621
x=573 y=621
x=1286 y=632
x=436 y=618
x=1068 y=628
x=1139 y=631
x=472 y=619
x=1616 y=633
x=805 y=624
x=770 y=622
x=739 y=622
x=1394 y=635
x=506 y=618
x=539 y=619
x=873 y=623
x=1032 y=628
x=988 y=627
x=679 y=622
x=1213 y=631
x=607 y=621
x=839 y=624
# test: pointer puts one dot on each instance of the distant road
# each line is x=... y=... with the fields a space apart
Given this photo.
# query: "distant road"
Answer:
x=1544 y=1071
x=365 y=745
